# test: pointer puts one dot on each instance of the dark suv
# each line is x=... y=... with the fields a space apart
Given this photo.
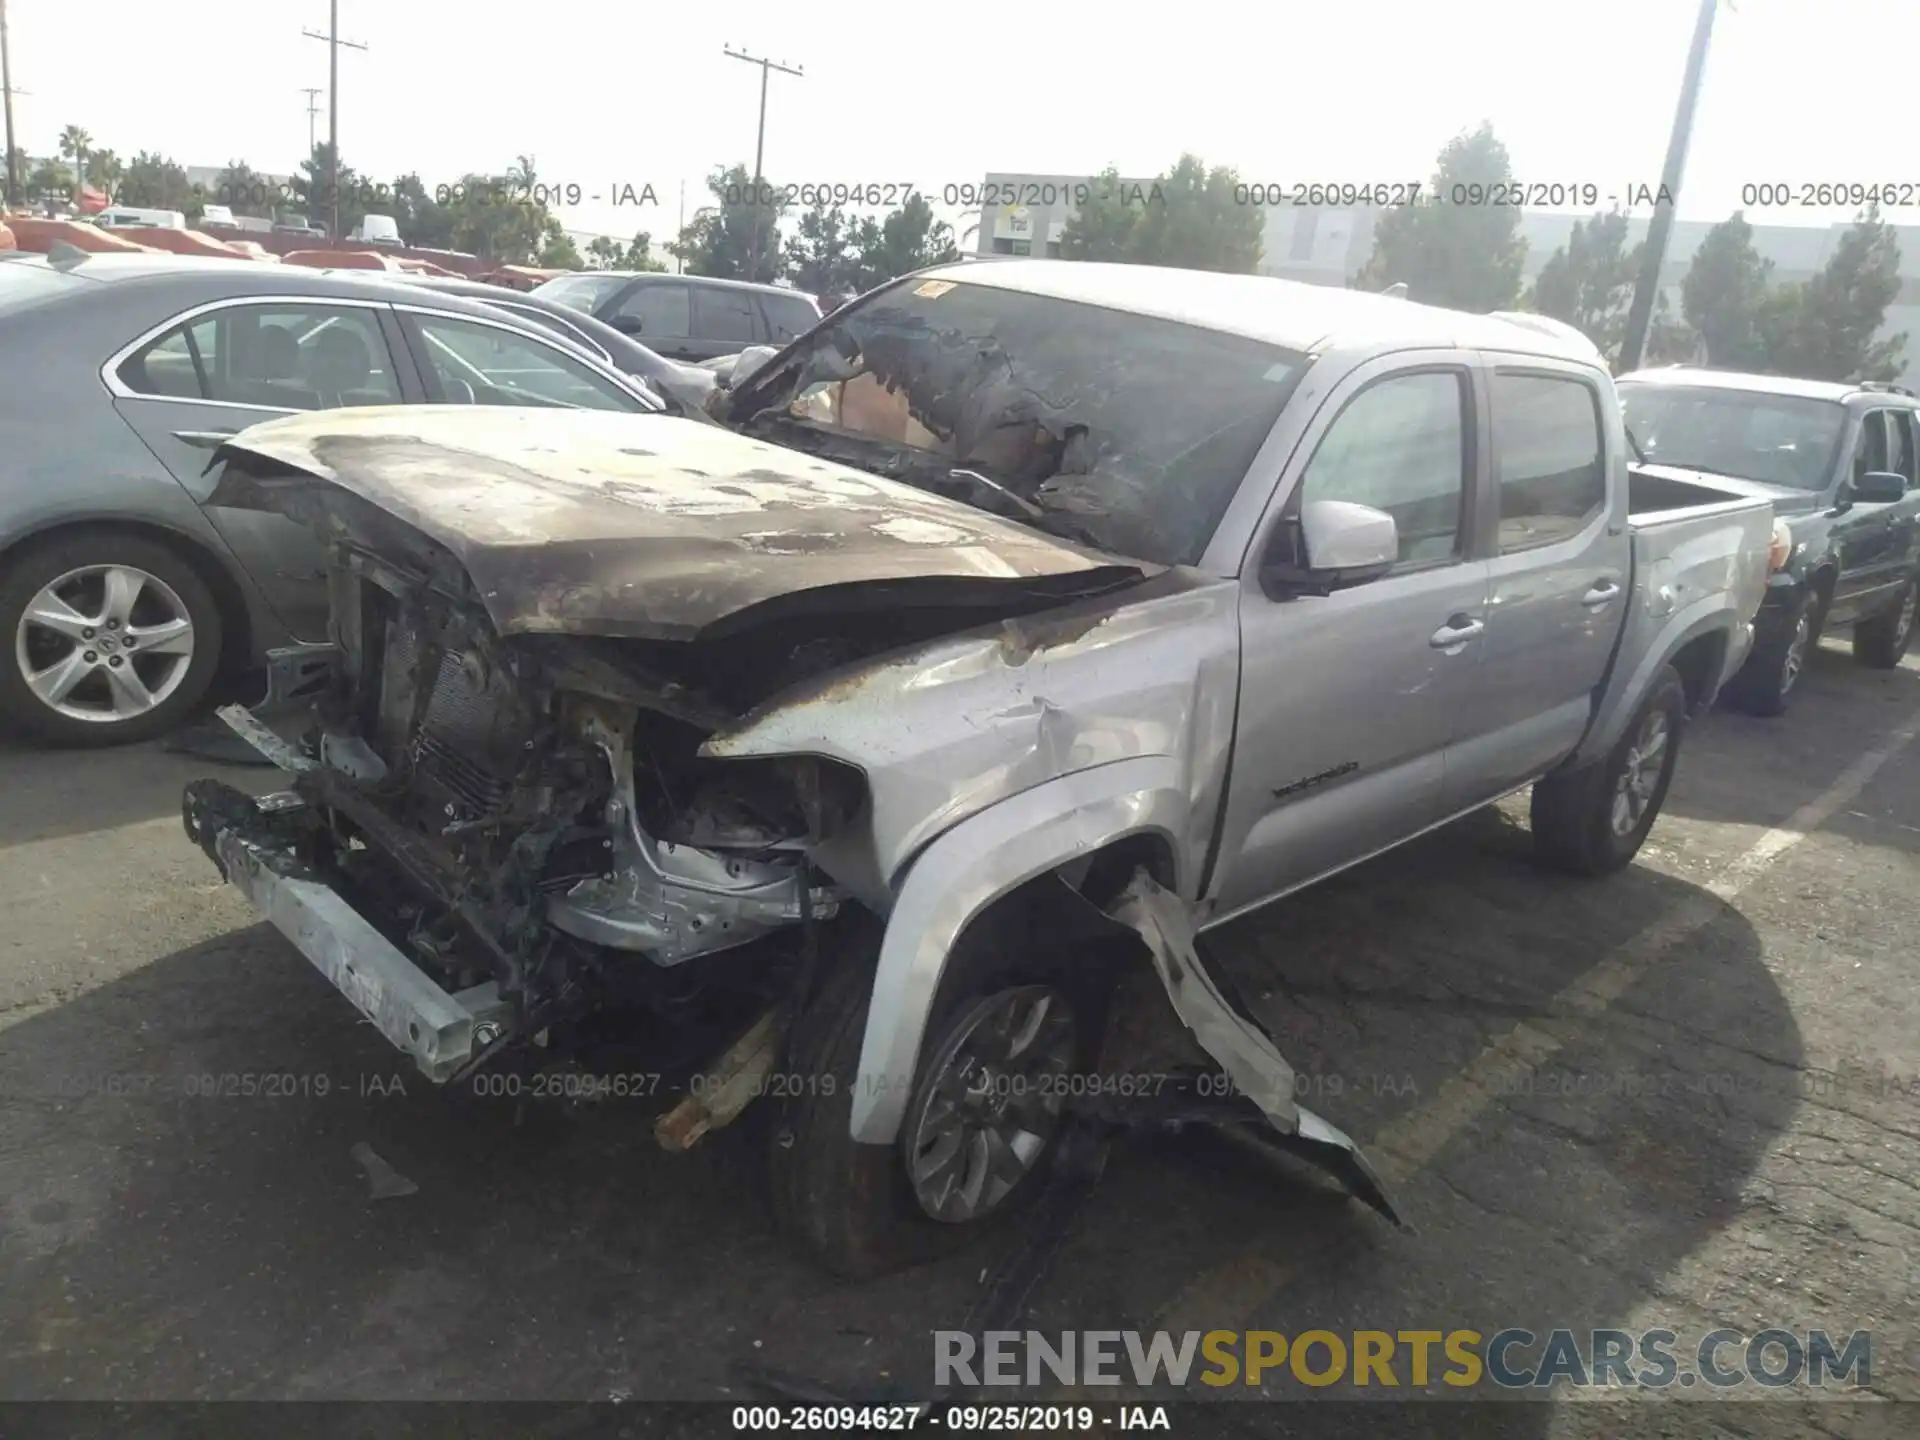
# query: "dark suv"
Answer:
x=687 y=317
x=1841 y=463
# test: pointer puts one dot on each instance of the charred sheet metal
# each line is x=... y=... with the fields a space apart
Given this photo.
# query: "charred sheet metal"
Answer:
x=653 y=527
x=1245 y=1052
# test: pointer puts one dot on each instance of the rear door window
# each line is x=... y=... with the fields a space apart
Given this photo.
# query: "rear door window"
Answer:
x=788 y=316
x=662 y=311
x=723 y=314
x=274 y=355
x=1548 y=459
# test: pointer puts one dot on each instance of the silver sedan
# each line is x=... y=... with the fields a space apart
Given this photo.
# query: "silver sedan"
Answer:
x=122 y=592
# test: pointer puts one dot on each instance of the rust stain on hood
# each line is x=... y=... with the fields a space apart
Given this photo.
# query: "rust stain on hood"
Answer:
x=592 y=522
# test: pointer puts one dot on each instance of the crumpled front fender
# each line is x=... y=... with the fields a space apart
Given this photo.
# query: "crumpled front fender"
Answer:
x=969 y=867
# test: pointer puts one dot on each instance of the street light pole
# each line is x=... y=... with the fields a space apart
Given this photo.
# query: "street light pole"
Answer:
x=759 y=141
x=334 y=42
x=1640 y=314
x=12 y=196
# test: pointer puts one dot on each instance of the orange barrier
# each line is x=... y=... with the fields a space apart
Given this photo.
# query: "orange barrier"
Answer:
x=34 y=234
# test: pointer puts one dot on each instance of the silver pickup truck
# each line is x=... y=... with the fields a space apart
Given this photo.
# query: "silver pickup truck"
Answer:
x=1011 y=628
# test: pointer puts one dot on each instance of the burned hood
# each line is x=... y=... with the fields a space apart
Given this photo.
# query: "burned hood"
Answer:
x=597 y=523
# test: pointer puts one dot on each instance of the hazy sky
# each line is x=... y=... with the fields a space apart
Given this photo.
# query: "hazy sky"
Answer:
x=607 y=93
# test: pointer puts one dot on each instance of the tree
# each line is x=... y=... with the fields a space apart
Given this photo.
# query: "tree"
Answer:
x=50 y=177
x=606 y=253
x=104 y=170
x=241 y=188
x=907 y=239
x=557 y=250
x=823 y=255
x=314 y=185
x=75 y=145
x=154 y=181
x=1458 y=246
x=1724 y=294
x=1100 y=226
x=1824 y=328
x=1186 y=216
x=419 y=218
x=719 y=239
x=1193 y=220
x=523 y=174
x=1589 y=281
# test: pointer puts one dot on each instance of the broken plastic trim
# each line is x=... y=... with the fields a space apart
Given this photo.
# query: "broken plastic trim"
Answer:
x=1245 y=1052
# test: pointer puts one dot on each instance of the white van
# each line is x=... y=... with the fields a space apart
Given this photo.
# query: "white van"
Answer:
x=124 y=215
x=377 y=230
x=216 y=215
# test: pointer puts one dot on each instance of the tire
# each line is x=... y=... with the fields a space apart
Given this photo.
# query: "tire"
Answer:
x=1880 y=642
x=1773 y=670
x=1574 y=811
x=92 y=575
x=853 y=1206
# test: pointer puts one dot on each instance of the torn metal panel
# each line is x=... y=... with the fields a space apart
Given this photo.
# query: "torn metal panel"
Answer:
x=1245 y=1052
x=288 y=757
x=589 y=522
x=945 y=729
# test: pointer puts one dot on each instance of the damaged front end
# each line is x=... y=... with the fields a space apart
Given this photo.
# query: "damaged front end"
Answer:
x=610 y=728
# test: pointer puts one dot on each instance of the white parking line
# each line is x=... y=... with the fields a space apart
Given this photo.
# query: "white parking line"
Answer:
x=1228 y=1295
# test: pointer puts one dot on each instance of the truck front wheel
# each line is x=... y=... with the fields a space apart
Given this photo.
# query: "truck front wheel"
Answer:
x=977 y=1142
x=1592 y=821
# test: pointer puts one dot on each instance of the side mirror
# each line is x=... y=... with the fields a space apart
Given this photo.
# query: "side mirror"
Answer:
x=1337 y=543
x=1879 y=487
x=626 y=324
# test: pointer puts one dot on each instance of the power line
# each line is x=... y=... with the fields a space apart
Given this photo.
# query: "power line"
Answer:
x=334 y=42
x=760 y=141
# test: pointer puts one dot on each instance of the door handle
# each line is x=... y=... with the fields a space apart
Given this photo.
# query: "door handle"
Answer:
x=1603 y=593
x=205 y=439
x=1458 y=630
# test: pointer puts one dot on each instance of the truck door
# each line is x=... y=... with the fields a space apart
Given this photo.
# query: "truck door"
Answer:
x=1558 y=571
x=1349 y=700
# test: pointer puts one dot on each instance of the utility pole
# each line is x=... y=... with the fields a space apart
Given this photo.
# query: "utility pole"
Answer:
x=334 y=42
x=313 y=109
x=760 y=141
x=1640 y=314
x=12 y=195
x=679 y=265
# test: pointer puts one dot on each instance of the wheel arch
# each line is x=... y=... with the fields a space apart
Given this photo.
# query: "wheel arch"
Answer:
x=1005 y=867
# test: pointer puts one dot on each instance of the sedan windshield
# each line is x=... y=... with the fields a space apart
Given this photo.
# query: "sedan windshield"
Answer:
x=1778 y=439
x=1129 y=432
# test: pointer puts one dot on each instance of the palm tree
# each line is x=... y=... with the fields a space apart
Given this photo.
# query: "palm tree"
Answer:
x=104 y=170
x=521 y=175
x=74 y=145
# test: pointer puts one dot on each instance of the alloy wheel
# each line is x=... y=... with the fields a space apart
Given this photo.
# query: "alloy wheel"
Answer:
x=992 y=1100
x=104 y=643
x=1640 y=775
x=1796 y=657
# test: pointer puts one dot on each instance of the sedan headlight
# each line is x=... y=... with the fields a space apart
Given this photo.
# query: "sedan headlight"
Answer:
x=1781 y=550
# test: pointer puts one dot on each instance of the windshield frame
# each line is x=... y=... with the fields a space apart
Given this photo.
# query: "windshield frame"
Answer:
x=1751 y=399
x=760 y=405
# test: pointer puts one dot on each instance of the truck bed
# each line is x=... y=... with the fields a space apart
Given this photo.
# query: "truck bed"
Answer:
x=1699 y=553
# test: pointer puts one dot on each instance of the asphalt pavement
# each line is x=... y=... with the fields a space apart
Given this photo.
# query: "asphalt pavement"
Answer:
x=1688 y=1096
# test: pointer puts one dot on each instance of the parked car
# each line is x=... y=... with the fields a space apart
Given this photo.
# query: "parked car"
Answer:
x=1841 y=464
x=687 y=317
x=121 y=588
x=981 y=650
x=690 y=385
